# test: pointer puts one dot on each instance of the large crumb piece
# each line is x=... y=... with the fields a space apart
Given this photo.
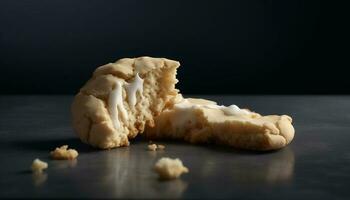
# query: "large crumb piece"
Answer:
x=152 y=147
x=63 y=153
x=38 y=166
x=168 y=168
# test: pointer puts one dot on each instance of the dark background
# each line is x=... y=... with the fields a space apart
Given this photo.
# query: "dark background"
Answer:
x=233 y=47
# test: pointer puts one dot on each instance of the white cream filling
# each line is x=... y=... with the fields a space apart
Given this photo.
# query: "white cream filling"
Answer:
x=231 y=110
x=132 y=88
x=115 y=104
x=115 y=100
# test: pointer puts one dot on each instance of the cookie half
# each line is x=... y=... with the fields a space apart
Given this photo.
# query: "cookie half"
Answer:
x=203 y=121
x=122 y=98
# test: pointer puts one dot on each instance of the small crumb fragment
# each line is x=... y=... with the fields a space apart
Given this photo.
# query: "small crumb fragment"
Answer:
x=152 y=147
x=38 y=166
x=63 y=153
x=168 y=168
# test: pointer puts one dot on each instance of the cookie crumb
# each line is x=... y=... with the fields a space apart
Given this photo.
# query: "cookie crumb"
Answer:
x=160 y=147
x=168 y=168
x=38 y=166
x=63 y=153
x=152 y=147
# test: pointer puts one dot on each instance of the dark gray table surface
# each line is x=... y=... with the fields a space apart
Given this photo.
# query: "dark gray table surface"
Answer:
x=315 y=165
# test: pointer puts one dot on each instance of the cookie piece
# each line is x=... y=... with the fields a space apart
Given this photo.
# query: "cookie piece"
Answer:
x=203 y=121
x=121 y=98
x=168 y=168
x=38 y=166
x=63 y=153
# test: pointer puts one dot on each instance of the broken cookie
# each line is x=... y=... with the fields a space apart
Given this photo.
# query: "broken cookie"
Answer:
x=203 y=121
x=137 y=95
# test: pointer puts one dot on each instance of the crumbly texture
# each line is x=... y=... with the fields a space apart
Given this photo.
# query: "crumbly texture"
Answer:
x=152 y=147
x=63 y=153
x=38 y=166
x=168 y=168
x=92 y=120
x=160 y=147
x=200 y=124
